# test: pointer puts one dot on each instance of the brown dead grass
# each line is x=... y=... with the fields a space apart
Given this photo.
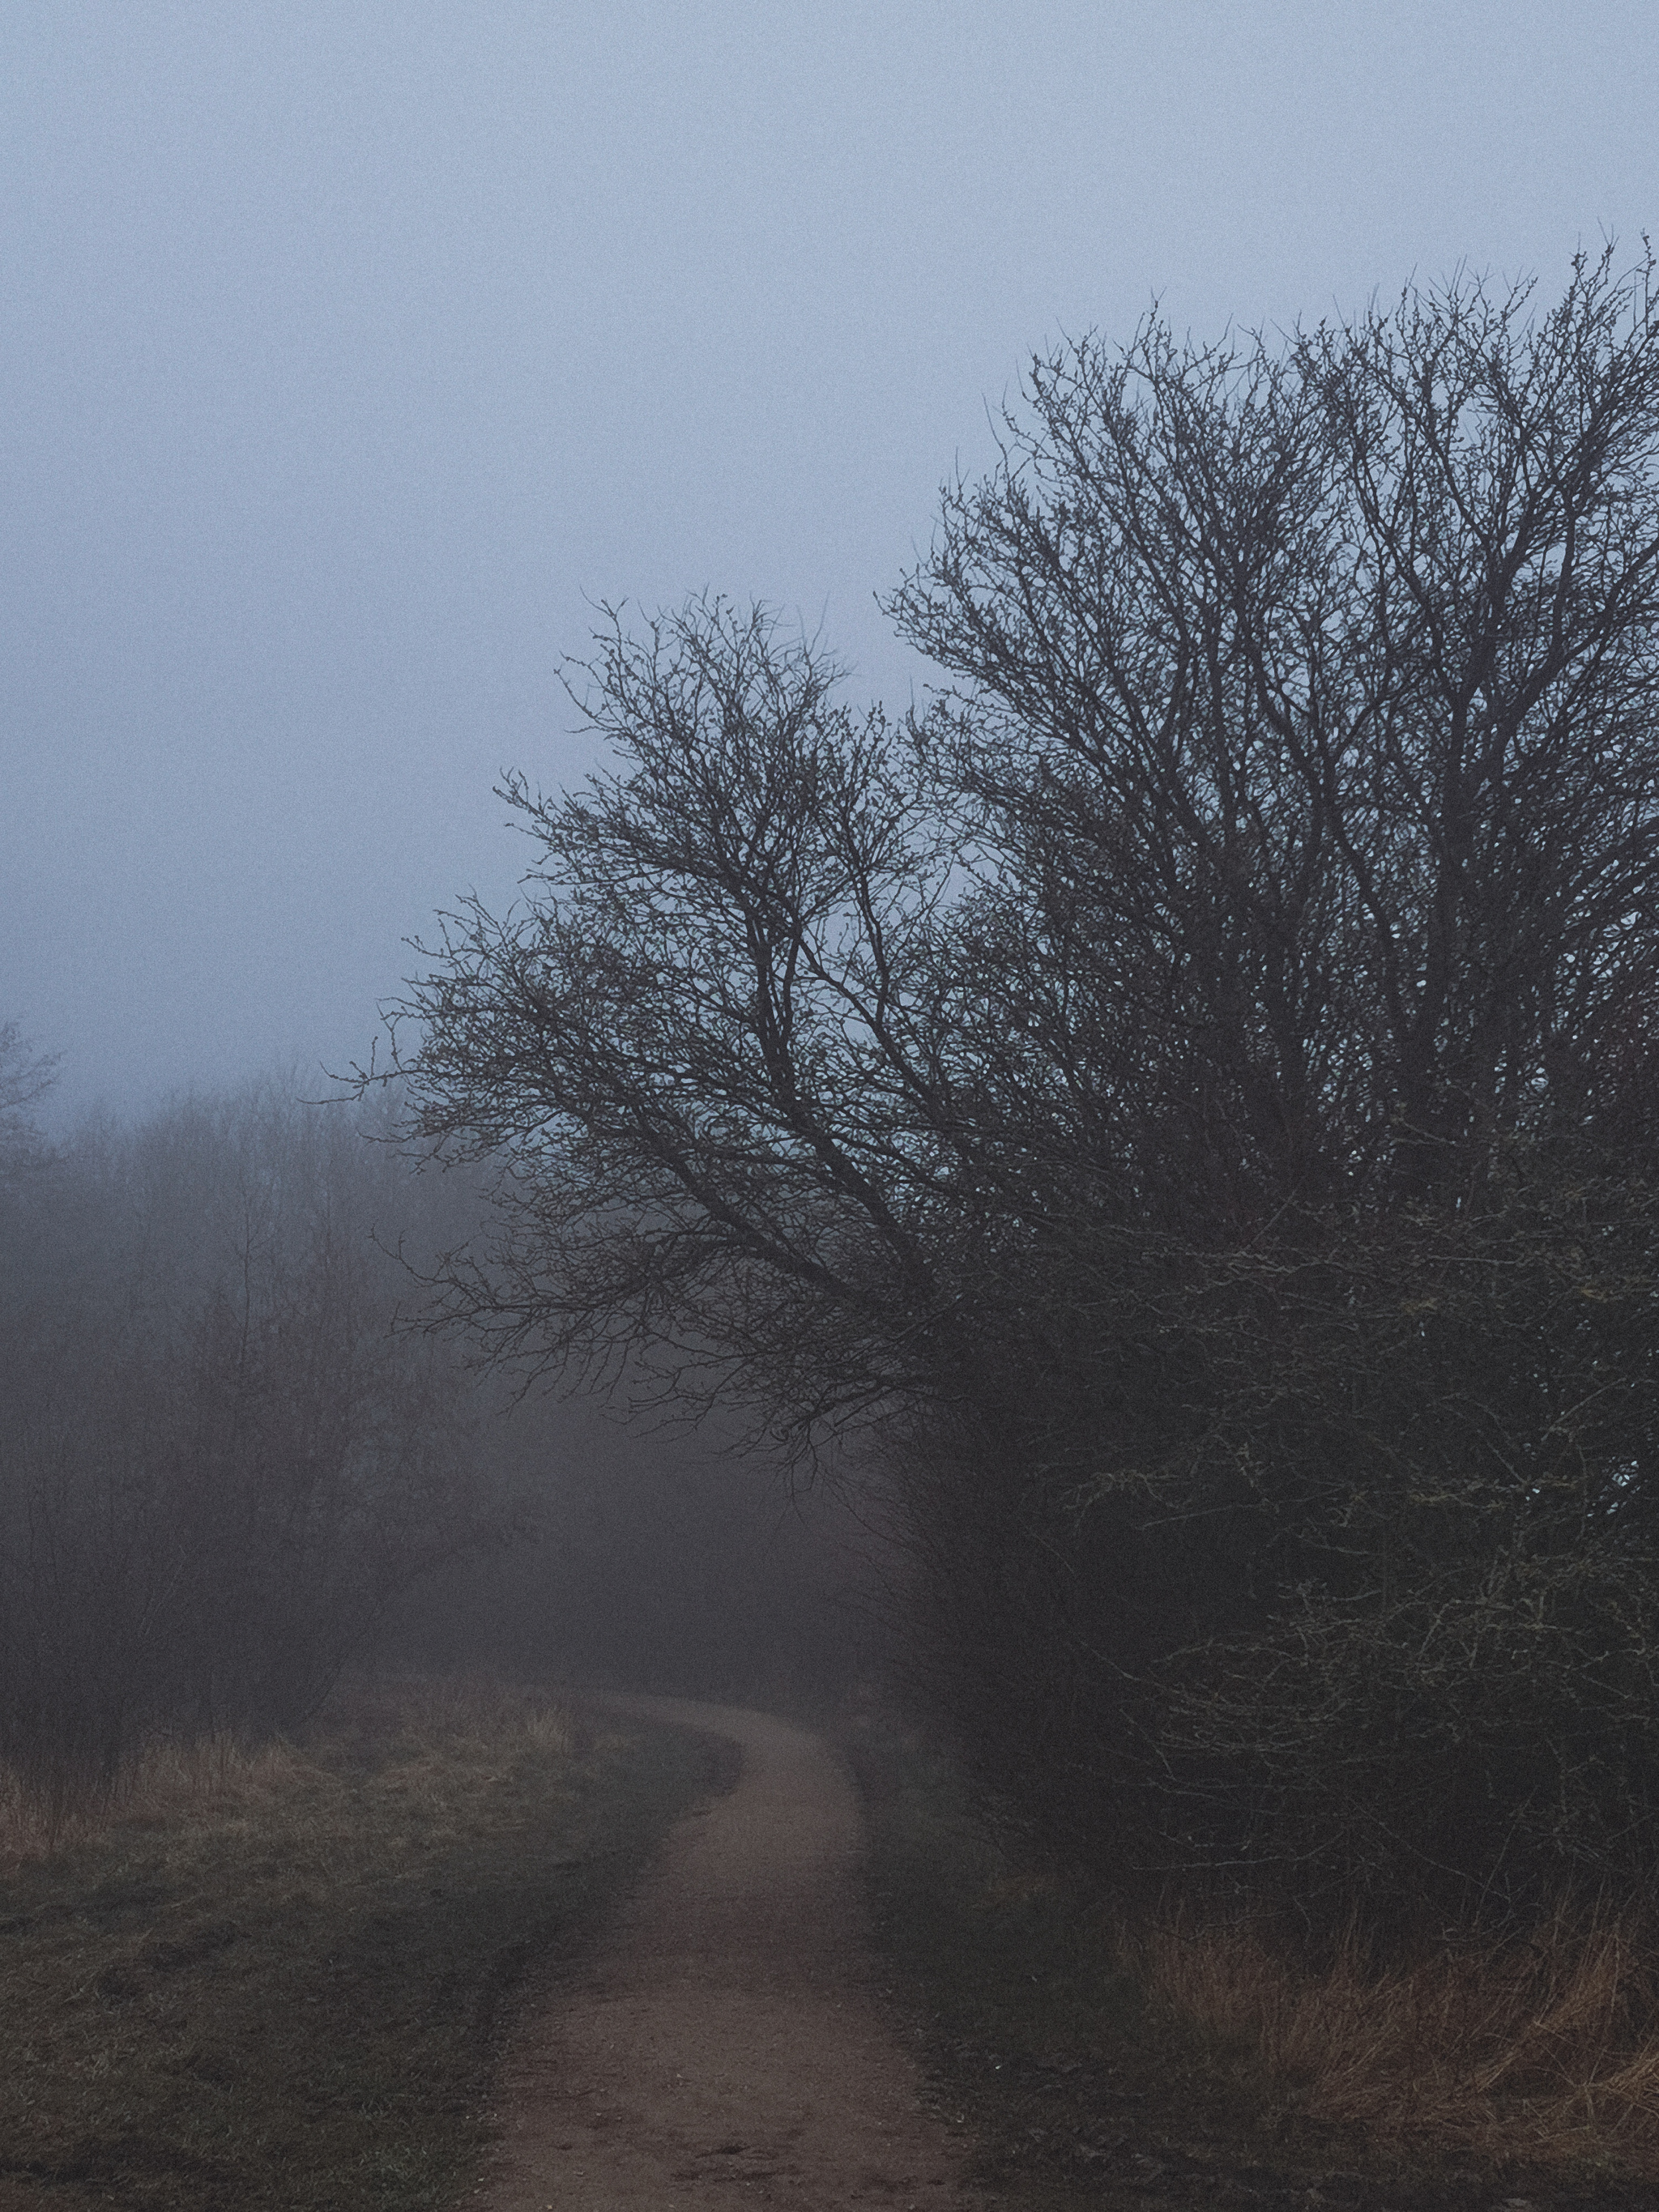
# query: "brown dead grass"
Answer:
x=274 y=1978
x=1110 y=2054
x=1546 y=2049
x=430 y=1727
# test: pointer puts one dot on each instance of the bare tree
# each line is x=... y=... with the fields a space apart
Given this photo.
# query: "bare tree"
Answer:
x=1225 y=1016
x=710 y=1055
x=1308 y=698
x=25 y=1080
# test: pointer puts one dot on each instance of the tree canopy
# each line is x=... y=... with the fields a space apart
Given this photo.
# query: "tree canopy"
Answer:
x=1184 y=1098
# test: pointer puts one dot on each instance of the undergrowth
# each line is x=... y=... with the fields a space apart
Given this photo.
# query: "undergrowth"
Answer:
x=1116 y=2055
x=1542 y=2048
x=275 y=1977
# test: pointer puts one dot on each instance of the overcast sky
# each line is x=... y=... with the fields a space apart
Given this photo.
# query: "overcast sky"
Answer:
x=350 y=350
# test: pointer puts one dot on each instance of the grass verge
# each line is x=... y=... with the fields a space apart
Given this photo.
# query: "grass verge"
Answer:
x=276 y=1979
x=1106 y=2061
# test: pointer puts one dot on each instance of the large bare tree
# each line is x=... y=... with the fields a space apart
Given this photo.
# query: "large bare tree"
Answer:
x=1221 y=1026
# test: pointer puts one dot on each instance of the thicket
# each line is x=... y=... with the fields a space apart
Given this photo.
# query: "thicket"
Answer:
x=1181 y=1102
x=220 y=1461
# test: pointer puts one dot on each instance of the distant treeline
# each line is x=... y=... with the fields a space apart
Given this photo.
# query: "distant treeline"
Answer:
x=1181 y=1105
x=233 y=1462
x=219 y=1463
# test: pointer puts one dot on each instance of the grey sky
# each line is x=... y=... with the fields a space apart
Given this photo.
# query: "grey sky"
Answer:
x=347 y=347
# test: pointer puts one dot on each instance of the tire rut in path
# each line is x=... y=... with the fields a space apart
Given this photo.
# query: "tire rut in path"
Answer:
x=727 y=2046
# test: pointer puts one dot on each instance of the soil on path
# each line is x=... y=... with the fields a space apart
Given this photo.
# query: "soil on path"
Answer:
x=728 y=2046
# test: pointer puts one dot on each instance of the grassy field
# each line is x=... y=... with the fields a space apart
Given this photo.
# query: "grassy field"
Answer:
x=274 y=1979
x=1108 y=2061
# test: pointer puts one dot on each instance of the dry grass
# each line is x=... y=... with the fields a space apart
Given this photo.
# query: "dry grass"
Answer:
x=426 y=1727
x=273 y=1977
x=1111 y=2058
x=1546 y=2049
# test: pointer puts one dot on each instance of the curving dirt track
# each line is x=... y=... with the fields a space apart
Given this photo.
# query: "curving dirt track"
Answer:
x=727 y=2046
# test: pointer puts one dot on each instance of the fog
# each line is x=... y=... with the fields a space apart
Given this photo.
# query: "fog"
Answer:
x=351 y=356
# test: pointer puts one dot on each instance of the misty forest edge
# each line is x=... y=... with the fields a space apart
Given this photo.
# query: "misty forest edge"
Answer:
x=1170 y=1123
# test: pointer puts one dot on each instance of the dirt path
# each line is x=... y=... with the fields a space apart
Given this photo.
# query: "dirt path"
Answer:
x=728 y=2047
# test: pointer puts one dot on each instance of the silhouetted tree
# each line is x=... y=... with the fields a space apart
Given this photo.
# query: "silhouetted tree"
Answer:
x=1188 y=1093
